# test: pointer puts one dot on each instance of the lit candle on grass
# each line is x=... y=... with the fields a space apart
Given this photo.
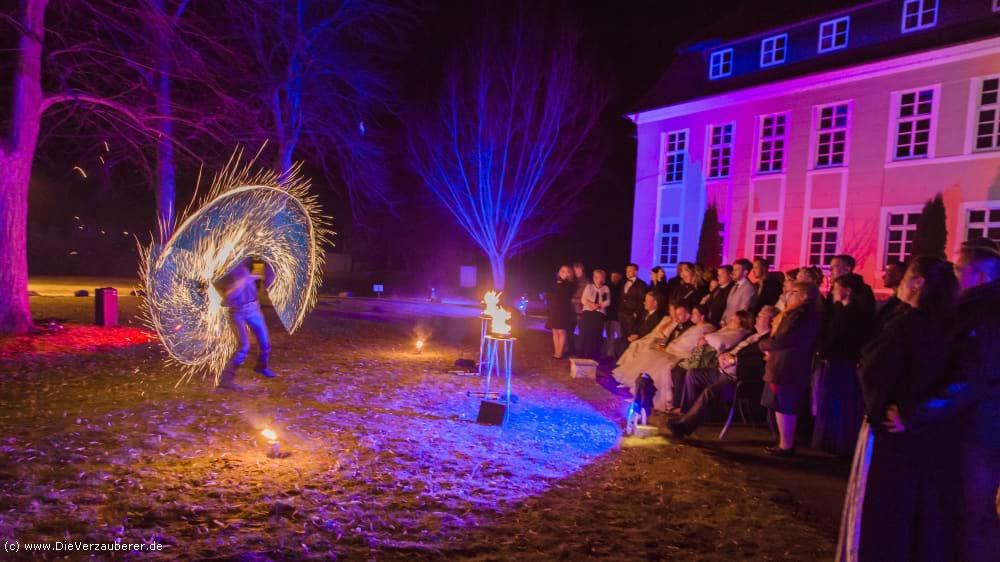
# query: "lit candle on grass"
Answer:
x=273 y=446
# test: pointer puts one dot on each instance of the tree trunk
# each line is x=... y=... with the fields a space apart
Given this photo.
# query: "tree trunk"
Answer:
x=15 y=312
x=16 y=157
x=499 y=272
x=166 y=168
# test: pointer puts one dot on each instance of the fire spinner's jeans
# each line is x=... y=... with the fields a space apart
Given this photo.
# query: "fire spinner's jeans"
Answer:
x=248 y=315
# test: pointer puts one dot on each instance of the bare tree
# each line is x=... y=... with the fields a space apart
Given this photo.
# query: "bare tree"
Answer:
x=320 y=86
x=514 y=112
x=77 y=72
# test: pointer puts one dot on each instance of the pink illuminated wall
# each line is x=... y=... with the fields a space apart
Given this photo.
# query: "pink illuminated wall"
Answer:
x=861 y=193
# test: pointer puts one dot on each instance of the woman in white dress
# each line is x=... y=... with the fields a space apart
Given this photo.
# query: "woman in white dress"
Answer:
x=626 y=369
x=688 y=328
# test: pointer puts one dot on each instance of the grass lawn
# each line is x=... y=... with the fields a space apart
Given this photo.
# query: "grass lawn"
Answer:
x=98 y=442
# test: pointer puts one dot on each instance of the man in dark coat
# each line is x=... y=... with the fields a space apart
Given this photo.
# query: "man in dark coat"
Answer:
x=633 y=293
x=651 y=316
x=789 y=363
x=769 y=285
x=891 y=276
x=717 y=299
x=843 y=264
x=973 y=397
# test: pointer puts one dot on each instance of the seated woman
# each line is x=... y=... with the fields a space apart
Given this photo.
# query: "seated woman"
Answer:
x=625 y=363
x=706 y=355
x=712 y=388
x=661 y=359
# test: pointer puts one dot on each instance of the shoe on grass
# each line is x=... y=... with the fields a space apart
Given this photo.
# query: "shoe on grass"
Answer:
x=228 y=386
x=678 y=429
x=776 y=451
x=266 y=372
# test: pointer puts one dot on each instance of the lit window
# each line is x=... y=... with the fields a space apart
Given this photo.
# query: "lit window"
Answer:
x=983 y=223
x=673 y=158
x=765 y=240
x=720 y=150
x=996 y=5
x=722 y=242
x=913 y=124
x=772 y=50
x=670 y=242
x=833 y=34
x=831 y=135
x=721 y=64
x=771 y=146
x=919 y=14
x=823 y=232
x=899 y=235
x=988 y=115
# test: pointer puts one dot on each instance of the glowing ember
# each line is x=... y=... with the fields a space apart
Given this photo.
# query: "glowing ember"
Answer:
x=501 y=322
x=269 y=434
x=266 y=215
x=420 y=345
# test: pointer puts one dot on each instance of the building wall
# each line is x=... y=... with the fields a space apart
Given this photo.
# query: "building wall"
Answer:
x=858 y=193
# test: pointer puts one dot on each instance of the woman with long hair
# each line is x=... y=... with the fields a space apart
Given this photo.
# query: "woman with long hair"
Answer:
x=561 y=317
x=900 y=502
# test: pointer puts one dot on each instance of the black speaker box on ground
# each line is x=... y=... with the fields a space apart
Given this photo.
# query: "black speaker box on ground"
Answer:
x=106 y=306
x=491 y=413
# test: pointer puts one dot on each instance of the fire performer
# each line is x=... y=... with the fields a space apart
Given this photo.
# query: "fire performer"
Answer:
x=239 y=292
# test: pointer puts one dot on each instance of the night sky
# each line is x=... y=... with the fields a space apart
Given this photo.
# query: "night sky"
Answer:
x=630 y=43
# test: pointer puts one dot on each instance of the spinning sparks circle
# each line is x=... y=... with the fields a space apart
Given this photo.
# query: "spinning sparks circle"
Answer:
x=265 y=215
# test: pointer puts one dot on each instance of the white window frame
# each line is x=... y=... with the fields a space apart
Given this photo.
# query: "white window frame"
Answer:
x=837 y=231
x=817 y=120
x=682 y=153
x=883 y=235
x=976 y=107
x=894 y=121
x=717 y=61
x=829 y=29
x=768 y=45
x=921 y=9
x=659 y=241
x=963 y=217
x=752 y=240
x=760 y=144
x=710 y=148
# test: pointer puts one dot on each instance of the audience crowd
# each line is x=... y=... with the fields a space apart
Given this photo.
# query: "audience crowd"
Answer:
x=910 y=385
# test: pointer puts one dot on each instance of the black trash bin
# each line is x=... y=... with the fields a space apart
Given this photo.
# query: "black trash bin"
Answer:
x=106 y=306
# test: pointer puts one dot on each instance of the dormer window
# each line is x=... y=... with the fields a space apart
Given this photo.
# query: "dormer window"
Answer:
x=833 y=34
x=919 y=14
x=773 y=49
x=720 y=64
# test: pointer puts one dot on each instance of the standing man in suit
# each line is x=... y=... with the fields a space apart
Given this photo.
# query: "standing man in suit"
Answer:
x=769 y=286
x=743 y=294
x=633 y=292
x=892 y=275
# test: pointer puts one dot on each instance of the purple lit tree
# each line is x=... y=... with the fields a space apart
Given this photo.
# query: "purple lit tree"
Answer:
x=514 y=112
x=97 y=76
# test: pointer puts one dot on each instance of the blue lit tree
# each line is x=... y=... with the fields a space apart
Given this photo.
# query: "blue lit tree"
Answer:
x=503 y=150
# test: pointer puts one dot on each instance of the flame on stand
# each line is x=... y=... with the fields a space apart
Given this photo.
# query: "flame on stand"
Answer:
x=420 y=345
x=492 y=302
x=501 y=324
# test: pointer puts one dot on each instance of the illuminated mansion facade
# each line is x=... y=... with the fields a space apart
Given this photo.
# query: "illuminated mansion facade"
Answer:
x=825 y=135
